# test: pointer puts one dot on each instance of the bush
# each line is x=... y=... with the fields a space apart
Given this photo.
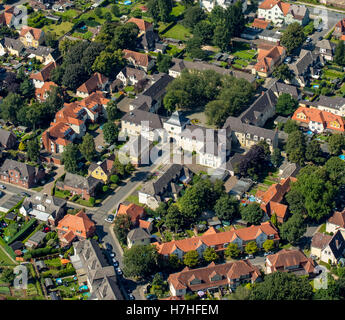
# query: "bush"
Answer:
x=105 y=188
x=92 y=201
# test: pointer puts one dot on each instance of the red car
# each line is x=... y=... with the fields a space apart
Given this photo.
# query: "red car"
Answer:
x=46 y=229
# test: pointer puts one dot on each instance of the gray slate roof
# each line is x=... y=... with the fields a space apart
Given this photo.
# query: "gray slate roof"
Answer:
x=138 y=234
x=51 y=204
x=304 y=61
x=5 y=136
x=25 y=170
x=77 y=181
x=281 y=87
x=137 y=116
x=177 y=119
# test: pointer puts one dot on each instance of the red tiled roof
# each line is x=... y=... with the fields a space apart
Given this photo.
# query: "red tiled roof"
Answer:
x=213 y=275
x=144 y=224
x=288 y=258
x=260 y=23
x=44 y=74
x=267 y=58
x=96 y=81
x=142 y=24
x=40 y=92
x=34 y=31
x=132 y=210
x=338 y=218
x=269 y=4
x=140 y=59
x=217 y=239
x=328 y=119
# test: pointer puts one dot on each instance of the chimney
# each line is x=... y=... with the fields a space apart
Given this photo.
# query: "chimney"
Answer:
x=337 y=244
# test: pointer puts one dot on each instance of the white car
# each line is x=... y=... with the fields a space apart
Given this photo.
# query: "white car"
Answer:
x=112 y=255
x=118 y=271
x=2 y=186
x=308 y=40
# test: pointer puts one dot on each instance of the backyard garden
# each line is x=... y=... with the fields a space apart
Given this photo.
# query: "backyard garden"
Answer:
x=243 y=55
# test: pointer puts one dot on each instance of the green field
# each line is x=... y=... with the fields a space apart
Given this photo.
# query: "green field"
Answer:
x=59 y=29
x=178 y=32
x=177 y=10
x=69 y=14
x=4 y=259
x=333 y=74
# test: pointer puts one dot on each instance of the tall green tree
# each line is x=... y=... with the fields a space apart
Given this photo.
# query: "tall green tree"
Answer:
x=282 y=286
x=191 y=258
x=226 y=207
x=252 y=213
x=296 y=147
x=286 y=104
x=293 y=37
x=112 y=110
x=336 y=143
x=122 y=225
x=140 y=261
x=314 y=153
x=87 y=147
x=283 y=72
x=174 y=218
x=339 y=53
x=110 y=132
x=70 y=158
x=293 y=229
x=33 y=151
x=210 y=255
x=251 y=247
x=232 y=250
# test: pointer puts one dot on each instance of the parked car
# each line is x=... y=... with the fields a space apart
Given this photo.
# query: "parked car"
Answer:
x=131 y=297
x=320 y=38
x=287 y=60
x=110 y=218
x=112 y=254
x=319 y=29
x=151 y=297
x=308 y=40
x=24 y=194
x=2 y=187
x=109 y=246
x=267 y=253
x=116 y=264
x=118 y=271
x=249 y=256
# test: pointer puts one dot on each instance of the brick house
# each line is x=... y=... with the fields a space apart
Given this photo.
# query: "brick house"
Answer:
x=73 y=227
x=96 y=82
x=76 y=184
x=20 y=174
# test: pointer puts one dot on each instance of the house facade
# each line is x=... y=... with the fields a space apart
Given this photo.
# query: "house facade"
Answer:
x=20 y=173
x=208 y=5
x=213 y=277
x=138 y=60
x=336 y=222
x=31 y=37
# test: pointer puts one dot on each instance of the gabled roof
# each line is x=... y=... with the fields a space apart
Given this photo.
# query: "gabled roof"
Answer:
x=337 y=245
x=140 y=59
x=44 y=74
x=142 y=24
x=138 y=116
x=79 y=182
x=25 y=170
x=35 y=32
x=289 y=258
x=219 y=238
x=80 y=222
x=338 y=218
x=96 y=81
x=305 y=60
x=177 y=119
x=132 y=210
x=260 y=23
x=269 y=4
x=320 y=240
x=138 y=234
x=324 y=117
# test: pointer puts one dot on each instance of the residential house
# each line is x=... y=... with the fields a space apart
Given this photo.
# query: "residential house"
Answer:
x=148 y=40
x=43 y=93
x=44 y=208
x=103 y=169
x=329 y=249
x=151 y=99
x=35 y=240
x=56 y=138
x=11 y=46
x=138 y=60
x=130 y=76
x=78 y=226
x=20 y=173
x=8 y=139
x=94 y=105
x=139 y=122
x=94 y=271
x=318 y=121
x=220 y=240
x=325 y=49
x=146 y=224
x=268 y=58
x=339 y=29
x=270 y=36
x=133 y=211
x=76 y=184
x=247 y=135
x=96 y=82
x=167 y=185
x=293 y=261
x=41 y=77
x=143 y=25
x=335 y=105
x=280 y=87
x=280 y=12
x=302 y=67
x=213 y=277
x=271 y=199
x=43 y=54
x=336 y=222
x=138 y=236
x=31 y=37
x=11 y=16
x=208 y=5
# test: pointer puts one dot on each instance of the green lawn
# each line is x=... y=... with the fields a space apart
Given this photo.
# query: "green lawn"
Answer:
x=332 y=74
x=246 y=54
x=177 y=10
x=133 y=199
x=4 y=259
x=59 y=29
x=173 y=50
x=178 y=32
x=69 y=14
